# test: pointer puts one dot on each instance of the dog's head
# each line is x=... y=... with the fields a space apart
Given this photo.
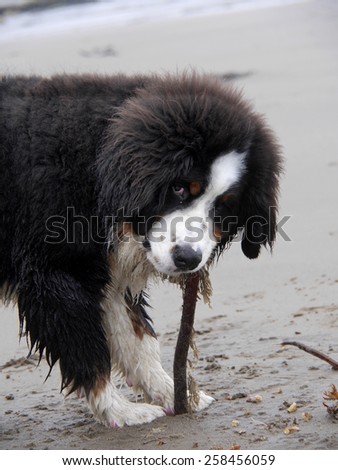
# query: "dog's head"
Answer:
x=187 y=164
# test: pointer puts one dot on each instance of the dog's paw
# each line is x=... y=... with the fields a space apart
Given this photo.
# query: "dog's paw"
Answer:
x=199 y=402
x=202 y=402
x=115 y=411
x=133 y=414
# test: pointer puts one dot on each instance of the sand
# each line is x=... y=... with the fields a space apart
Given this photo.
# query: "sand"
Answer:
x=286 y=59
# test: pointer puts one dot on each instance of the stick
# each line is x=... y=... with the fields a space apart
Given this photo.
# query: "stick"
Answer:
x=183 y=342
x=312 y=351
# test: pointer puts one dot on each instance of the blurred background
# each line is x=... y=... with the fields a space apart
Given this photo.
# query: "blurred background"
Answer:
x=23 y=16
x=110 y=35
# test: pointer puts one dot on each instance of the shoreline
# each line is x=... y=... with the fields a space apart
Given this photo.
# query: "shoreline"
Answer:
x=34 y=21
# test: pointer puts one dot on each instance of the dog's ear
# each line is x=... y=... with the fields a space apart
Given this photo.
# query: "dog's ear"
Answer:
x=259 y=201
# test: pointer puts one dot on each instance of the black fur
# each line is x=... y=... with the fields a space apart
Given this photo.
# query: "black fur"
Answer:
x=110 y=146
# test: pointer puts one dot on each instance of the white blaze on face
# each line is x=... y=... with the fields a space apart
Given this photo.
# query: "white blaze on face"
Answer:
x=190 y=226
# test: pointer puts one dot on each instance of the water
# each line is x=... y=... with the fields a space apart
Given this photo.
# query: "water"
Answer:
x=77 y=14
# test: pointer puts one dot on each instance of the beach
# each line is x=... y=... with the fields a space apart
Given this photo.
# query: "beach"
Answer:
x=285 y=60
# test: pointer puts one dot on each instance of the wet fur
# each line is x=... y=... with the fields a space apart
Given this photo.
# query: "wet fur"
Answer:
x=107 y=147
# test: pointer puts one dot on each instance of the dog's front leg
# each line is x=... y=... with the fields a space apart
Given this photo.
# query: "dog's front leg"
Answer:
x=63 y=318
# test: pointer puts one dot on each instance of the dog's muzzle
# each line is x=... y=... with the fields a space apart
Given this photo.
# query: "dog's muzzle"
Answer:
x=186 y=258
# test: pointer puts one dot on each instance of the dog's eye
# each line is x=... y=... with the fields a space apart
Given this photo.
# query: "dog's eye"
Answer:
x=180 y=191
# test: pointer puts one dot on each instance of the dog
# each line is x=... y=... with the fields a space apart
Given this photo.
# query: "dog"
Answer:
x=106 y=183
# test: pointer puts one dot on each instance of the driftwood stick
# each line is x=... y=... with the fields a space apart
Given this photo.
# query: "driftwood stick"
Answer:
x=312 y=351
x=183 y=342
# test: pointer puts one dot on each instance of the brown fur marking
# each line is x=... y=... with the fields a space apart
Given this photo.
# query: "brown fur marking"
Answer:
x=195 y=188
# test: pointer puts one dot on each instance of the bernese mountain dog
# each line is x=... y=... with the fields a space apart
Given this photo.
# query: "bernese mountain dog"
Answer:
x=107 y=183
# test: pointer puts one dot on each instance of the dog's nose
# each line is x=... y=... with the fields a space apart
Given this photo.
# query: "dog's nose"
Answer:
x=185 y=258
